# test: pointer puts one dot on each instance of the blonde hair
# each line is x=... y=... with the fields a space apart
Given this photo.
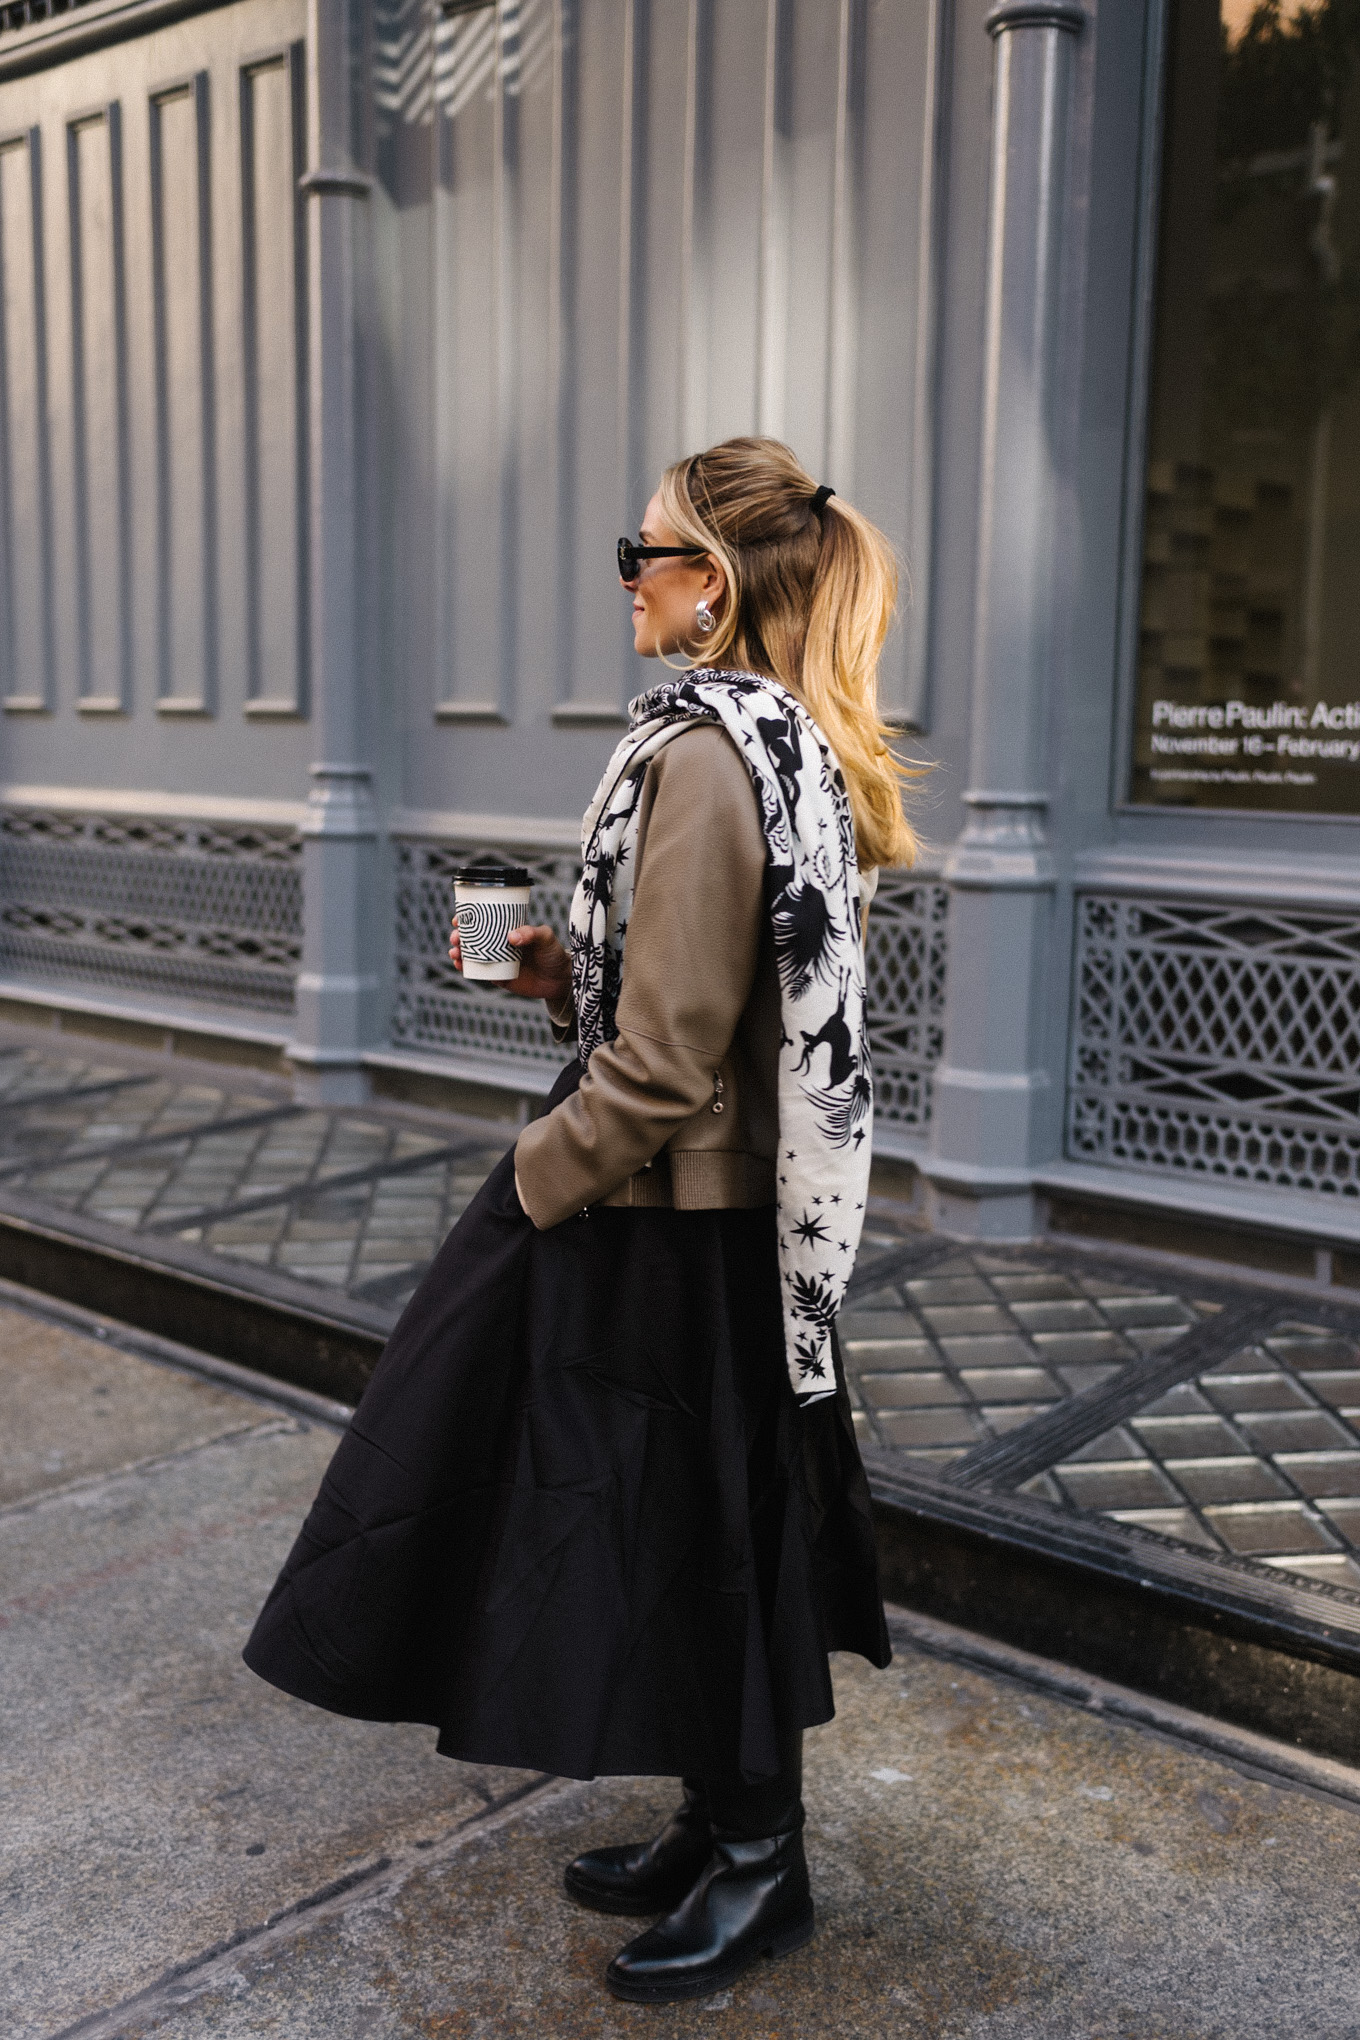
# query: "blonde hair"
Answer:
x=810 y=597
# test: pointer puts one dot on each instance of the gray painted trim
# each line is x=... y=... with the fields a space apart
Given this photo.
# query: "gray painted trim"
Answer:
x=26 y=384
x=119 y=800
x=498 y=1073
x=914 y=714
x=894 y=1143
x=459 y=825
x=590 y=715
x=217 y=1021
x=1296 y=1212
x=1066 y=14
x=470 y=712
x=336 y=184
x=96 y=261
x=71 y=35
x=186 y=464
x=1186 y=874
x=266 y=316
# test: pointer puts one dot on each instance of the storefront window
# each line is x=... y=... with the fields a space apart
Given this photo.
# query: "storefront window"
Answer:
x=1249 y=668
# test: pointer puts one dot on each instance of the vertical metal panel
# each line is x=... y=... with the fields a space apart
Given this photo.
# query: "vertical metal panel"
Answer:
x=273 y=302
x=25 y=493
x=735 y=213
x=99 y=410
x=634 y=325
x=466 y=223
x=536 y=388
x=776 y=220
x=842 y=269
x=603 y=312
x=185 y=477
x=124 y=506
x=696 y=266
x=515 y=23
x=563 y=356
x=892 y=471
x=739 y=116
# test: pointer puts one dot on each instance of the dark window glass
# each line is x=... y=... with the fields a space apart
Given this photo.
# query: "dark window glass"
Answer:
x=1249 y=669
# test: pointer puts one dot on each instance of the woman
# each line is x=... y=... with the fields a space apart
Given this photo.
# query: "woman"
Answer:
x=600 y=1509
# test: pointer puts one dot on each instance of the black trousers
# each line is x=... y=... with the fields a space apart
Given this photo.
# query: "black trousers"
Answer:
x=742 y=1812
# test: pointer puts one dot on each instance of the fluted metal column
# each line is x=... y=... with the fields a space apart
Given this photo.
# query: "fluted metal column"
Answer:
x=340 y=981
x=989 y=1088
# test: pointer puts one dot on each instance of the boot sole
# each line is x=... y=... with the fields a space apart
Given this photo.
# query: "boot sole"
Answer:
x=620 y=1904
x=783 y=1943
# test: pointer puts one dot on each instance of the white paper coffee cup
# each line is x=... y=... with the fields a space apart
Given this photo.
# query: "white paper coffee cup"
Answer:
x=492 y=901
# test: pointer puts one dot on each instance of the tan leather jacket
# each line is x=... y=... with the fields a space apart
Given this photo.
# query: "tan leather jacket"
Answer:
x=681 y=1108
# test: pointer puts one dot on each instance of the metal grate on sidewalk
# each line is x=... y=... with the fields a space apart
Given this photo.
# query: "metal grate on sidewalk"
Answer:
x=1226 y=1422
x=356 y=1202
x=1214 y=1417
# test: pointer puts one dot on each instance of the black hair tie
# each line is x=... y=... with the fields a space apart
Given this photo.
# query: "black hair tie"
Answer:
x=822 y=497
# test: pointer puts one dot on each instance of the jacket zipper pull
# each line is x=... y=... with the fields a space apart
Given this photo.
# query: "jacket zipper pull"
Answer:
x=718 y=1088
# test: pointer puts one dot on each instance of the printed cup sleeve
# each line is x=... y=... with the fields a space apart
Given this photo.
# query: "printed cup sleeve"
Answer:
x=485 y=927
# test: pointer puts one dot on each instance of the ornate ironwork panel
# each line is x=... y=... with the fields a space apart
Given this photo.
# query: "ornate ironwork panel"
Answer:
x=23 y=13
x=436 y=1008
x=907 y=961
x=1217 y=1039
x=209 y=911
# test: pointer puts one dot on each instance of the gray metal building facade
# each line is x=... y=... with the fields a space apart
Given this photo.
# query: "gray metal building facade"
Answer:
x=339 y=342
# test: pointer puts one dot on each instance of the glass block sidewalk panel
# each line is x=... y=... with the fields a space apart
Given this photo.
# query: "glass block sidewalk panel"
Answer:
x=372 y=1241
x=977 y=1346
x=1255 y=1456
x=241 y=1173
x=1259 y=1456
x=969 y=1366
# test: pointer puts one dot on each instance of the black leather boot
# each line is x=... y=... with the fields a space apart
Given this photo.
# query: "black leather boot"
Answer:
x=752 y=1900
x=648 y=1877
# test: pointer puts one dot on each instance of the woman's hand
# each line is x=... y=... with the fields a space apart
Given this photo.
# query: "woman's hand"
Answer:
x=544 y=966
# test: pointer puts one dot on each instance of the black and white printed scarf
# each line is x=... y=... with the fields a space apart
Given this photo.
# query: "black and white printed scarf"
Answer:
x=812 y=892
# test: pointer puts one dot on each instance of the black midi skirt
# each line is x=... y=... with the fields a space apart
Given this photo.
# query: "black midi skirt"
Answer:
x=579 y=1523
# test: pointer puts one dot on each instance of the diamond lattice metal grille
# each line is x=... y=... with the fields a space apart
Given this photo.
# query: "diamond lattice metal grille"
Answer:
x=436 y=1008
x=1218 y=1039
x=907 y=961
x=208 y=911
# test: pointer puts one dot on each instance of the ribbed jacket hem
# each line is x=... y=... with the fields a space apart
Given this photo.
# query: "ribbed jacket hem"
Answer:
x=699 y=1179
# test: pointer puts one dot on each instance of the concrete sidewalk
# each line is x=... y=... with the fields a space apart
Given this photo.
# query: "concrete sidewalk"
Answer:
x=185 y=1852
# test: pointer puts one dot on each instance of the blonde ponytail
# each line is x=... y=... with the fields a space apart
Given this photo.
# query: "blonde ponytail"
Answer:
x=810 y=594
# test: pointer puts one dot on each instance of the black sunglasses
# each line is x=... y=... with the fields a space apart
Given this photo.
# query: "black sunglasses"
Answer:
x=631 y=556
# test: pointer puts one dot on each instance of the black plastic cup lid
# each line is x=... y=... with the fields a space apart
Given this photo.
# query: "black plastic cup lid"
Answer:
x=492 y=874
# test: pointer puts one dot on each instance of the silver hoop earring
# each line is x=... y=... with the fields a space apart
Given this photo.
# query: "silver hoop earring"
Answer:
x=704 y=619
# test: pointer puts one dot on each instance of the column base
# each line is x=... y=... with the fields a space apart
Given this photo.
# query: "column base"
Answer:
x=1010 y=1213
x=326 y=1082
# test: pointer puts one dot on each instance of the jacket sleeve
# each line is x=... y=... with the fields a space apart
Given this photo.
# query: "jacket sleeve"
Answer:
x=689 y=966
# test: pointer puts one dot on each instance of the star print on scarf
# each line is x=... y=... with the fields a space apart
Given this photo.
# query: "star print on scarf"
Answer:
x=812 y=894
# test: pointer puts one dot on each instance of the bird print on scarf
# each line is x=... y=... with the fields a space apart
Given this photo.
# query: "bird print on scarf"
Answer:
x=825 y=1087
